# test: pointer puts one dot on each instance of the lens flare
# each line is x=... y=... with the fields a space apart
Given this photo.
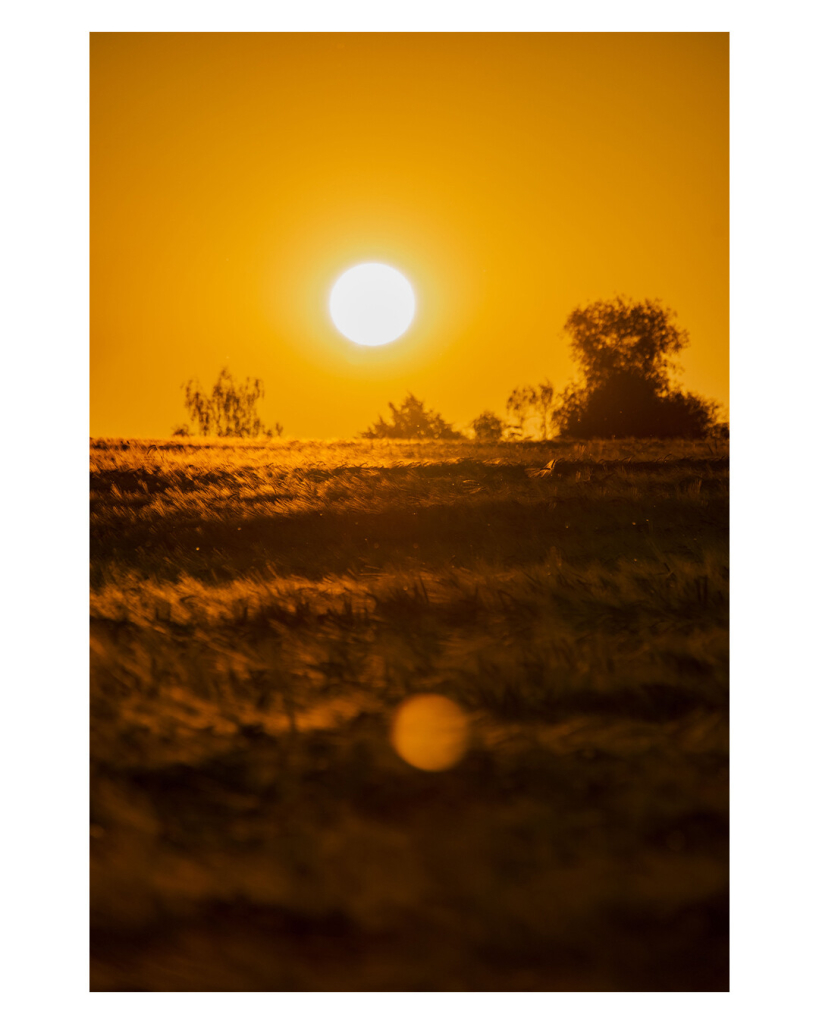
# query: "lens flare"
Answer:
x=372 y=304
x=430 y=732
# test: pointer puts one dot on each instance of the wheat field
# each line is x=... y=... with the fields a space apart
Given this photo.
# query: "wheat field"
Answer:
x=258 y=613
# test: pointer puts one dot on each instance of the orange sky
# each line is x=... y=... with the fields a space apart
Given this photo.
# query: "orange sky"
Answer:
x=511 y=177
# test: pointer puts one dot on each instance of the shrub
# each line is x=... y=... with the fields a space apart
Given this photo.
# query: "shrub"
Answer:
x=487 y=427
x=412 y=420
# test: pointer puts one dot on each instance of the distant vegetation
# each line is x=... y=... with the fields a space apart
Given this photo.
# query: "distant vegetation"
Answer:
x=411 y=420
x=625 y=350
x=487 y=427
x=526 y=404
x=625 y=354
x=228 y=411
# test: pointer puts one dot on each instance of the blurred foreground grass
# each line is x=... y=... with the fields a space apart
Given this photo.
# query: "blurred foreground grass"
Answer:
x=259 y=611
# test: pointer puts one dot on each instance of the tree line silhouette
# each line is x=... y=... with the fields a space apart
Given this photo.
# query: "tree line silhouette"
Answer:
x=625 y=354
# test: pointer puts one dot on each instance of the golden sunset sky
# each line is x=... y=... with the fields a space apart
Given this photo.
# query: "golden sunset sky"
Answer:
x=510 y=177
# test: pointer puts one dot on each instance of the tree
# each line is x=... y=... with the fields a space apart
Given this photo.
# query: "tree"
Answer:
x=487 y=427
x=528 y=403
x=625 y=351
x=412 y=420
x=229 y=410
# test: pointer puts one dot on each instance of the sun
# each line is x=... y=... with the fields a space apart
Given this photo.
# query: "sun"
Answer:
x=372 y=304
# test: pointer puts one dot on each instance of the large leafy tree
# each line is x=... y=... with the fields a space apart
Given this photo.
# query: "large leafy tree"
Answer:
x=626 y=354
x=228 y=411
x=412 y=420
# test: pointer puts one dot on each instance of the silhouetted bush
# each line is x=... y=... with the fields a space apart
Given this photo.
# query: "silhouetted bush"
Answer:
x=487 y=427
x=630 y=406
x=412 y=420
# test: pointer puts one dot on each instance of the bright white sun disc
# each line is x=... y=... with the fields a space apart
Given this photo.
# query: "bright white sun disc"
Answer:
x=372 y=304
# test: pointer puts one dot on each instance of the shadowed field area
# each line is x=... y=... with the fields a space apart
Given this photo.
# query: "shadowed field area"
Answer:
x=259 y=611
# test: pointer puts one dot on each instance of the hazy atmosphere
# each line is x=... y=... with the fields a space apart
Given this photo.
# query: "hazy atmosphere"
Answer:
x=409 y=509
x=511 y=178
